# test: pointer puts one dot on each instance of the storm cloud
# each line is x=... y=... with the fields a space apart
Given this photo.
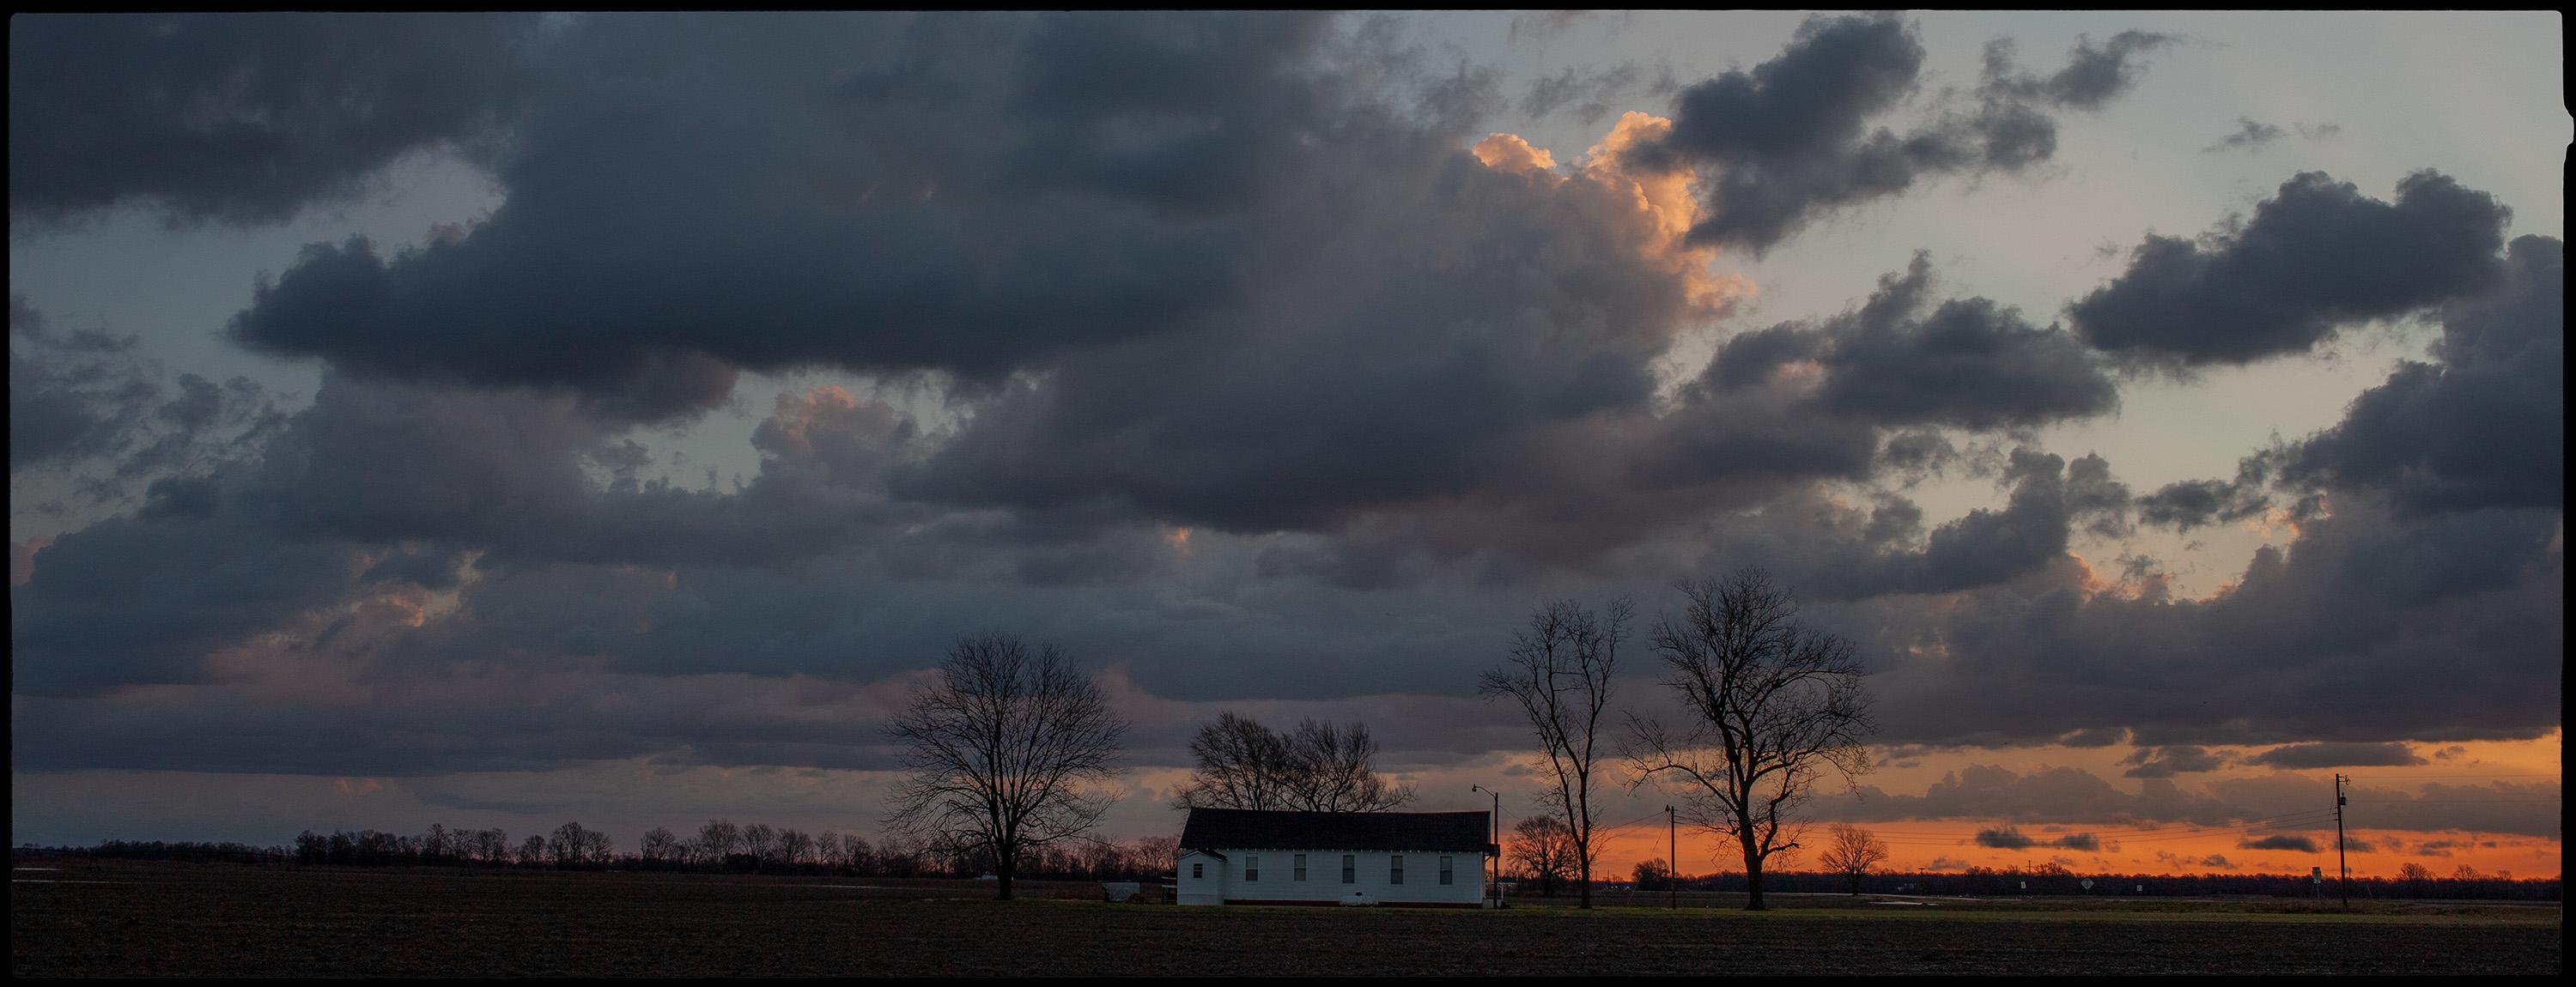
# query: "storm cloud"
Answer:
x=1237 y=354
x=2315 y=257
x=2332 y=755
x=2485 y=425
x=244 y=118
x=1792 y=139
x=1898 y=360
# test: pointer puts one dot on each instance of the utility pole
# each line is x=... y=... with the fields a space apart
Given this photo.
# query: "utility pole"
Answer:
x=1494 y=865
x=2339 y=858
x=1672 y=862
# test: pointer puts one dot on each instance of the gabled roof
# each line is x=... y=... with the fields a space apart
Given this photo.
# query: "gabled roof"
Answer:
x=1249 y=829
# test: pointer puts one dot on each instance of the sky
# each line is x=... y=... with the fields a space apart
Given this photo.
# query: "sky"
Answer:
x=511 y=419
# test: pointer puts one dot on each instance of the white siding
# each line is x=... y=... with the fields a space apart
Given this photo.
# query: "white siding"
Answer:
x=1223 y=880
x=1201 y=880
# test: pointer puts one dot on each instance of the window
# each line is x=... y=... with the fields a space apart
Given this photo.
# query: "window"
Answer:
x=1444 y=869
x=1198 y=870
x=1395 y=868
x=1252 y=867
x=1350 y=869
x=1301 y=867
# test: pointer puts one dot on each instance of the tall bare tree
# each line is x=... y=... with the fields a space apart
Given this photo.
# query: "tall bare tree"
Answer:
x=1851 y=851
x=1003 y=750
x=1559 y=675
x=1317 y=767
x=1772 y=706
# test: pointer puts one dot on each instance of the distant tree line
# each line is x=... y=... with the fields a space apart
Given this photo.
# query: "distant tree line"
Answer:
x=719 y=846
x=2414 y=881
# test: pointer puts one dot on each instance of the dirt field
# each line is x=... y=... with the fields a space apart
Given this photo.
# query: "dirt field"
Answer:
x=212 y=919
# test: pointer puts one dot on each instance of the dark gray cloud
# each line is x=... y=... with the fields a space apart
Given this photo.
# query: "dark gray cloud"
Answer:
x=90 y=419
x=71 y=395
x=1792 y=139
x=2094 y=76
x=2317 y=256
x=2166 y=762
x=148 y=599
x=688 y=195
x=2005 y=838
x=2373 y=626
x=2277 y=841
x=1588 y=93
x=2254 y=136
x=1969 y=363
x=2337 y=755
x=2188 y=504
x=243 y=118
x=2249 y=136
x=2485 y=425
x=1985 y=547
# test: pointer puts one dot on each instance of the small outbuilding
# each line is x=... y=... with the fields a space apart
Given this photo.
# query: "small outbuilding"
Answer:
x=1417 y=859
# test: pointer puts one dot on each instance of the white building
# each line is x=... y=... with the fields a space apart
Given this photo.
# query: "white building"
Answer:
x=1421 y=859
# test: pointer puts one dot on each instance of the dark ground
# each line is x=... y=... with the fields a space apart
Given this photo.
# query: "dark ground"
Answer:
x=217 y=919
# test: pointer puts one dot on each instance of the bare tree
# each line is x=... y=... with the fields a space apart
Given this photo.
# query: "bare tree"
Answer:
x=1545 y=852
x=660 y=846
x=856 y=854
x=596 y=848
x=492 y=845
x=1155 y=855
x=794 y=846
x=569 y=846
x=1851 y=851
x=2416 y=875
x=1772 y=705
x=760 y=842
x=1241 y=765
x=717 y=840
x=1003 y=751
x=1559 y=674
x=533 y=850
x=1318 y=767
x=1336 y=771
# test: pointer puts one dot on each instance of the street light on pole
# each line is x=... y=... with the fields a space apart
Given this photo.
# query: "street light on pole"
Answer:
x=1494 y=864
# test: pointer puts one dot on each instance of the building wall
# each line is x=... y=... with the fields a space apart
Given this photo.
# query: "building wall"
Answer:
x=1227 y=880
x=1200 y=881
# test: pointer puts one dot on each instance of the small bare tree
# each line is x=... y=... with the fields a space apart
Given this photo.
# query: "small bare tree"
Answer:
x=1335 y=770
x=1545 y=852
x=717 y=840
x=1772 y=705
x=660 y=847
x=760 y=842
x=1318 y=767
x=1002 y=750
x=794 y=847
x=1851 y=851
x=1241 y=765
x=1559 y=675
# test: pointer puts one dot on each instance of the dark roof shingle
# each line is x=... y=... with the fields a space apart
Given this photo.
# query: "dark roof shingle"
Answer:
x=1248 y=829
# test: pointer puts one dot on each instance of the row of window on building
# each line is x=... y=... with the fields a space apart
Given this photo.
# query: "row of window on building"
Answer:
x=1350 y=868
